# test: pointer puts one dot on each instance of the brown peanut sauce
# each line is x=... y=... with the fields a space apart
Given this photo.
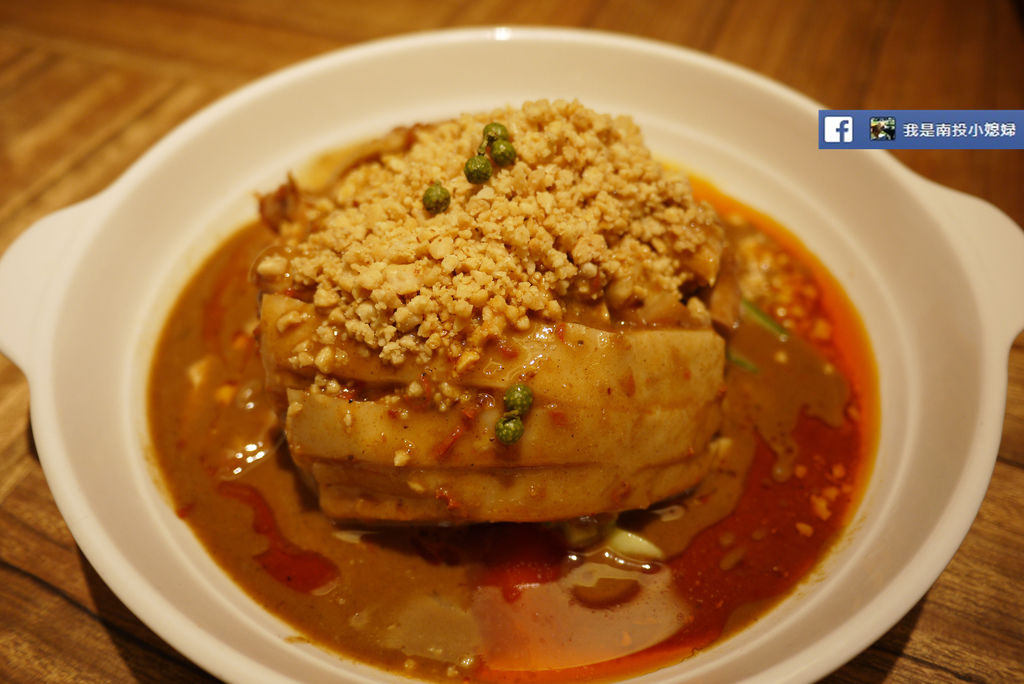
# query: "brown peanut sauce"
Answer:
x=512 y=602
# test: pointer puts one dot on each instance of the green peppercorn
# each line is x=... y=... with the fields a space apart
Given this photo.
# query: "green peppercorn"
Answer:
x=518 y=399
x=495 y=131
x=503 y=153
x=509 y=429
x=436 y=198
x=477 y=169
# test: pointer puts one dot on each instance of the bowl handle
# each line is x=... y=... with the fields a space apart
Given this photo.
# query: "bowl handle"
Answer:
x=993 y=247
x=28 y=269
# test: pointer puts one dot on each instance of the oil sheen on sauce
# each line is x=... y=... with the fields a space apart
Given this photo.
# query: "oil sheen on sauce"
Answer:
x=514 y=602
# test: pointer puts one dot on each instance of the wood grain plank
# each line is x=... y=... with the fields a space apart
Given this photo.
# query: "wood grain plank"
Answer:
x=336 y=22
x=16 y=449
x=480 y=12
x=40 y=625
x=987 y=621
x=84 y=165
x=829 y=55
x=36 y=544
x=34 y=643
x=101 y=53
x=168 y=33
x=17 y=63
x=954 y=634
x=961 y=60
x=34 y=530
x=62 y=114
x=16 y=466
x=9 y=53
x=689 y=23
x=955 y=52
x=1011 y=449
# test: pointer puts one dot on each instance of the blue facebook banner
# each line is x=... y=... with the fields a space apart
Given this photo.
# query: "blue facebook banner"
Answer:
x=919 y=129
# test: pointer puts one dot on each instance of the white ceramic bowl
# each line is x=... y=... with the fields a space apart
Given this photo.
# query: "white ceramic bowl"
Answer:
x=936 y=275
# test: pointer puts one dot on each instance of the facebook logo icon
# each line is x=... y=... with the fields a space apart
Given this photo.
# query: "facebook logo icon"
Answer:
x=838 y=129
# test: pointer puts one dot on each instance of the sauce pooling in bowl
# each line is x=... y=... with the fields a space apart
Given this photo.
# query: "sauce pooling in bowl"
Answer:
x=594 y=598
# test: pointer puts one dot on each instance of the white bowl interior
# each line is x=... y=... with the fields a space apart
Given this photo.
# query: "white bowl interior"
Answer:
x=757 y=141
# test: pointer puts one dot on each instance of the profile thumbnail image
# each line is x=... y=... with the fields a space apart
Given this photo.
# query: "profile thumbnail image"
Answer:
x=883 y=127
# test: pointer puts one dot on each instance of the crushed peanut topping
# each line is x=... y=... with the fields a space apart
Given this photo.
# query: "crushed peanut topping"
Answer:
x=584 y=213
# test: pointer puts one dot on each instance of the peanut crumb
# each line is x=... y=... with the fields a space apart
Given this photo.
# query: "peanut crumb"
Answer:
x=586 y=210
x=820 y=508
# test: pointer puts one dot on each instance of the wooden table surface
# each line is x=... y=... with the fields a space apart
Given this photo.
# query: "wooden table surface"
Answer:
x=87 y=86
